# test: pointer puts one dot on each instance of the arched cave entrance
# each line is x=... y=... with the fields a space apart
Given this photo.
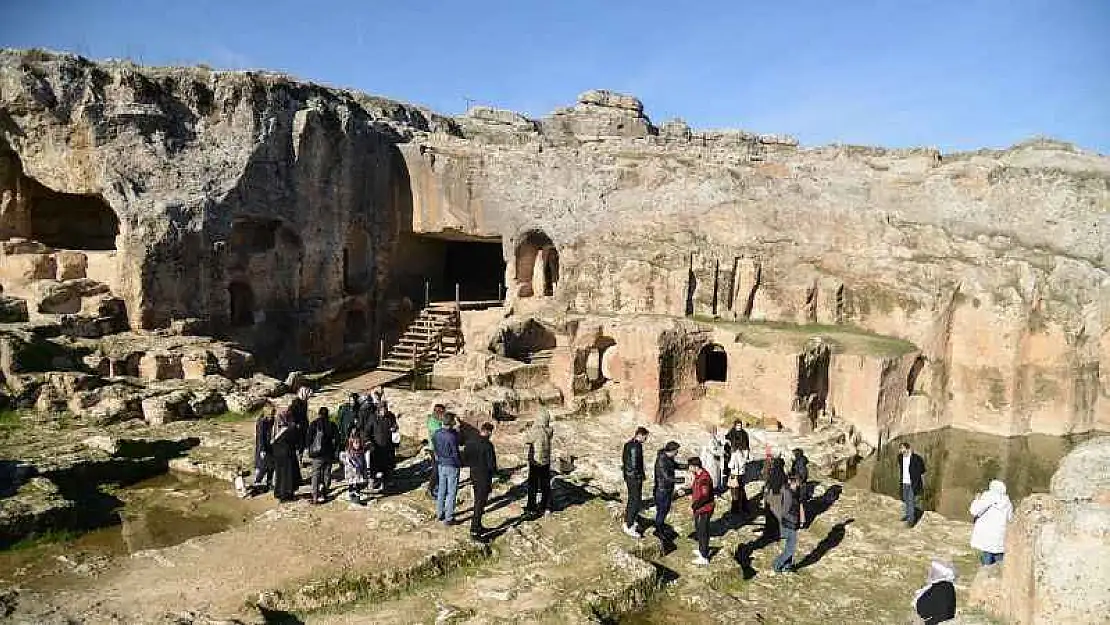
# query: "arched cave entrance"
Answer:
x=71 y=221
x=712 y=365
x=591 y=363
x=241 y=302
x=913 y=379
x=526 y=342
x=537 y=265
x=354 y=327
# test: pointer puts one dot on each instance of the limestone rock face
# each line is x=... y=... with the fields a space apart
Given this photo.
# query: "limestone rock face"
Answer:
x=1057 y=566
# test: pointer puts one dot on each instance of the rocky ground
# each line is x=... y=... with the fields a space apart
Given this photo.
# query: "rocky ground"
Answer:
x=390 y=562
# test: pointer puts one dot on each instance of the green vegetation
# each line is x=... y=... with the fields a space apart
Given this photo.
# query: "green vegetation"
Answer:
x=10 y=420
x=843 y=339
x=48 y=537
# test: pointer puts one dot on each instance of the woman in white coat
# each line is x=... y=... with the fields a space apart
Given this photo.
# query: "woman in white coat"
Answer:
x=992 y=511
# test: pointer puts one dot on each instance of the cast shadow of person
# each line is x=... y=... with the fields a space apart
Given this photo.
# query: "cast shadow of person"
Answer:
x=827 y=544
x=819 y=505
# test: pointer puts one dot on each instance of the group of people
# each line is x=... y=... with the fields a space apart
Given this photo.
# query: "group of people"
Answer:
x=363 y=439
x=721 y=465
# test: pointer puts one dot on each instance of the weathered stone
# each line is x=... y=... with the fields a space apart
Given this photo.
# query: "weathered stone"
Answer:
x=65 y=297
x=12 y=309
x=160 y=366
x=162 y=409
x=243 y=403
x=294 y=380
x=71 y=265
x=108 y=404
x=208 y=404
x=50 y=400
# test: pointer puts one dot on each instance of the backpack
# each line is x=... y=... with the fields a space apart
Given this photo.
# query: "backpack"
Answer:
x=316 y=447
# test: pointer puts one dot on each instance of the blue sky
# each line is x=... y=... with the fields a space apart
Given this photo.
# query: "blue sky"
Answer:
x=957 y=74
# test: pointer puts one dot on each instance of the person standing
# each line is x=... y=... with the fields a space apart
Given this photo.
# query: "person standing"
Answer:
x=354 y=467
x=663 y=489
x=632 y=466
x=737 y=468
x=913 y=470
x=792 y=517
x=287 y=472
x=738 y=441
x=711 y=456
x=539 y=464
x=701 y=502
x=348 y=416
x=434 y=422
x=446 y=443
x=383 y=427
x=298 y=411
x=263 y=451
x=800 y=466
x=480 y=456
x=323 y=443
x=773 y=497
x=992 y=512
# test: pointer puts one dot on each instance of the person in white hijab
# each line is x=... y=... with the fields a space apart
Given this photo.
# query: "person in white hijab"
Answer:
x=992 y=511
x=711 y=455
x=935 y=602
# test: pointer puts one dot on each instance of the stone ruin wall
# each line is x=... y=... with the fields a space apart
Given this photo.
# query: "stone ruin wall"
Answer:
x=993 y=263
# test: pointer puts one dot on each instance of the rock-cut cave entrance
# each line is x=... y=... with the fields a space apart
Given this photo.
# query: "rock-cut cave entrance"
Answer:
x=712 y=365
x=537 y=265
x=432 y=266
x=71 y=221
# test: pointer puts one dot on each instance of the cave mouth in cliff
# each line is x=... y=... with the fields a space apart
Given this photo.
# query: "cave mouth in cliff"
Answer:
x=432 y=265
x=529 y=341
x=71 y=221
x=241 y=304
x=712 y=365
x=537 y=265
x=354 y=326
x=913 y=378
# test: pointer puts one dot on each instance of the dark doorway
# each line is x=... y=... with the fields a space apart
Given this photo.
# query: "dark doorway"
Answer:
x=536 y=250
x=438 y=263
x=354 y=327
x=712 y=364
x=72 y=221
x=241 y=299
x=913 y=384
x=477 y=267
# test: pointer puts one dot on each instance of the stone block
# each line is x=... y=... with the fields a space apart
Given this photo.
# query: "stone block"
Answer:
x=196 y=364
x=162 y=409
x=70 y=382
x=160 y=366
x=243 y=402
x=24 y=269
x=12 y=309
x=107 y=404
x=50 y=400
x=209 y=403
x=71 y=265
x=233 y=363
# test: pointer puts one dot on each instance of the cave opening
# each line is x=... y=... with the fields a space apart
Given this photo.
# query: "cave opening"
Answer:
x=913 y=378
x=354 y=327
x=431 y=266
x=537 y=265
x=241 y=303
x=812 y=387
x=71 y=221
x=712 y=365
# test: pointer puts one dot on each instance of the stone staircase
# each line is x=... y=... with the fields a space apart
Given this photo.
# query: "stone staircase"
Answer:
x=434 y=335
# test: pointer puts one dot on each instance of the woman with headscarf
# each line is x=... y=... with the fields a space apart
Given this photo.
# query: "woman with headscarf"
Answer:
x=263 y=452
x=287 y=471
x=936 y=601
x=298 y=412
x=711 y=456
x=992 y=511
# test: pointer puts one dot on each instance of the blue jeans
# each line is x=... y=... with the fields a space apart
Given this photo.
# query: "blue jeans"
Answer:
x=445 y=494
x=987 y=558
x=662 y=508
x=790 y=543
x=909 y=504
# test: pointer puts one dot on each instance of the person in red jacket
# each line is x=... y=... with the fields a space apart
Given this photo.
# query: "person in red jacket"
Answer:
x=701 y=496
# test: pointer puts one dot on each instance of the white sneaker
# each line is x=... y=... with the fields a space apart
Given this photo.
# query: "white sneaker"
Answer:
x=631 y=531
x=700 y=561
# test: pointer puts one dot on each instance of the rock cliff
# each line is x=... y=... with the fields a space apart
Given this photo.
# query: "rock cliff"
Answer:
x=302 y=221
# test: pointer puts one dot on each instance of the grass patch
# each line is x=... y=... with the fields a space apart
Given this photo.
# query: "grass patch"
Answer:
x=10 y=420
x=235 y=417
x=48 y=537
x=844 y=339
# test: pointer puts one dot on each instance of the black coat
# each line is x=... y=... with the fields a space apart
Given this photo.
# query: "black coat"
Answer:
x=263 y=449
x=381 y=429
x=800 y=467
x=632 y=461
x=664 y=473
x=737 y=439
x=917 y=472
x=298 y=414
x=329 y=450
x=481 y=457
x=937 y=604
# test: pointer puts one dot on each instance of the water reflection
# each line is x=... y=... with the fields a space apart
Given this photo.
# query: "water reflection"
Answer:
x=960 y=464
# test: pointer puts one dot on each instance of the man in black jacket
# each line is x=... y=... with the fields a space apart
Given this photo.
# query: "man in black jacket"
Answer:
x=664 y=486
x=912 y=468
x=632 y=465
x=383 y=452
x=323 y=447
x=481 y=457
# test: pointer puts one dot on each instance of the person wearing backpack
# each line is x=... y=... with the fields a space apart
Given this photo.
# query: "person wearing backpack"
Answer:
x=323 y=442
x=792 y=516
